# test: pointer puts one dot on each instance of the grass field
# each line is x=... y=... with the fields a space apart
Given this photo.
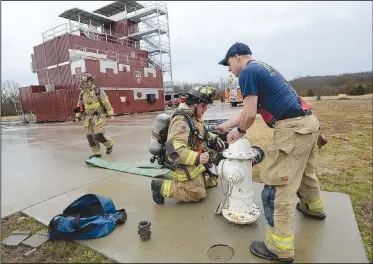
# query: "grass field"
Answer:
x=49 y=252
x=346 y=162
x=345 y=166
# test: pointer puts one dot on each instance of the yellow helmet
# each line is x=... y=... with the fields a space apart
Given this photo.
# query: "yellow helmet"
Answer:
x=201 y=94
x=86 y=76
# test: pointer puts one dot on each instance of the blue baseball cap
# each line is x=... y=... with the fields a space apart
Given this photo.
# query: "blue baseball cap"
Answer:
x=236 y=49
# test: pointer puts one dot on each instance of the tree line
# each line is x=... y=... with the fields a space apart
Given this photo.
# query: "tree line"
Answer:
x=9 y=97
x=350 y=83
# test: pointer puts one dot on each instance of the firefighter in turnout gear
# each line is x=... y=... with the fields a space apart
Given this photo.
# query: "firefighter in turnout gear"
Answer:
x=289 y=167
x=190 y=150
x=93 y=108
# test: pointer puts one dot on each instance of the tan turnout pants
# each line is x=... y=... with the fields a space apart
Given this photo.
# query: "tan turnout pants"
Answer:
x=95 y=128
x=289 y=168
x=187 y=191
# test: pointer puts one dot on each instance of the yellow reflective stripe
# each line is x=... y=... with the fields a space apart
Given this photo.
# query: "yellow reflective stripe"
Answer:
x=107 y=105
x=100 y=120
x=193 y=174
x=92 y=106
x=191 y=159
x=195 y=155
x=280 y=242
x=166 y=188
x=315 y=205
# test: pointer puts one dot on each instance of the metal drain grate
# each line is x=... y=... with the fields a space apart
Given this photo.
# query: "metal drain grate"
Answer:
x=220 y=253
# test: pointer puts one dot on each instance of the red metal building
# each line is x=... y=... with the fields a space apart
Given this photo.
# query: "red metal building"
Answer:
x=121 y=44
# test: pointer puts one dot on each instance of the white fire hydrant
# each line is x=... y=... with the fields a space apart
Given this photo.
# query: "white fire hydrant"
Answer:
x=238 y=206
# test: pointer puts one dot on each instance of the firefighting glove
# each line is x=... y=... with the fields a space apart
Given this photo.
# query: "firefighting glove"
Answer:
x=259 y=156
x=220 y=143
x=321 y=140
x=210 y=182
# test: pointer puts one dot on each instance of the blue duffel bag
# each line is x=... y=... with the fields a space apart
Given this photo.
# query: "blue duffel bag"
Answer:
x=90 y=216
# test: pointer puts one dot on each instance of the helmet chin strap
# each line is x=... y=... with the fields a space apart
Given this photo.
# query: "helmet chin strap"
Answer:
x=86 y=85
x=195 y=110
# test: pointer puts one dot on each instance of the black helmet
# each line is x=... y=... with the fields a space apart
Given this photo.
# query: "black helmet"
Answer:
x=86 y=76
x=200 y=94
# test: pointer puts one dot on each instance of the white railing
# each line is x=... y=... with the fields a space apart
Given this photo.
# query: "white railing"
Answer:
x=147 y=7
x=98 y=34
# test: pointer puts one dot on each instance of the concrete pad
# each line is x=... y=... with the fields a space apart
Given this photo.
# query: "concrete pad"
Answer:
x=36 y=240
x=16 y=238
x=183 y=232
x=42 y=161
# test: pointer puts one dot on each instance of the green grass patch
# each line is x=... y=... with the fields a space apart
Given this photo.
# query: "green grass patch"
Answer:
x=49 y=252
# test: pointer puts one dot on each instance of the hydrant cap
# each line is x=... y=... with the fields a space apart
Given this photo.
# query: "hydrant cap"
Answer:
x=240 y=149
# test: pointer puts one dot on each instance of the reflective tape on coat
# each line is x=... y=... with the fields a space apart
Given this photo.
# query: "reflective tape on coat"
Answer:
x=100 y=121
x=181 y=176
x=92 y=106
x=191 y=159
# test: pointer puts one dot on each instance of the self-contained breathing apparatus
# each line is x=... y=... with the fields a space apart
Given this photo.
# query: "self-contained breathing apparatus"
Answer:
x=159 y=134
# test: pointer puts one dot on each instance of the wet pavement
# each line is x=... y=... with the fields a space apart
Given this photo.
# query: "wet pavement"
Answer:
x=43 y=171
x=41 y=161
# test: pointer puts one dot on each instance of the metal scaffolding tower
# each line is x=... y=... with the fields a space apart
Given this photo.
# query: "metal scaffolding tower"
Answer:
x=152 y=30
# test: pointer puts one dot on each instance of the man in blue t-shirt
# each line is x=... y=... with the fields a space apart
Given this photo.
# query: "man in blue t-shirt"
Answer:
x=289 y=168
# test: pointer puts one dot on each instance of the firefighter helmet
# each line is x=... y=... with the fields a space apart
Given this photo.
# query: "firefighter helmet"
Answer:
x=86 y=76
x=200 y=94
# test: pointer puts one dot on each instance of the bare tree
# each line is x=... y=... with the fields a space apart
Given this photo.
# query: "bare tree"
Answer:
x=223 y=84
x=9 y=94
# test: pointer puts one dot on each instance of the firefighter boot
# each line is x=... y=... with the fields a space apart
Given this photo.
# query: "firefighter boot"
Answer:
x=110 y=148
x=156 y=187
x=106 y=141
x=301 y=206
x=260 y=250
x=314 y=209
x=94 y=156
x=95 y=147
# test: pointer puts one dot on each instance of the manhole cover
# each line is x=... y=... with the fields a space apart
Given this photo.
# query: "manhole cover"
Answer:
x=220 y=253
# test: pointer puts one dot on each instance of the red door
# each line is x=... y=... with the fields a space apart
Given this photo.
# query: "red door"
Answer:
x=124 y=101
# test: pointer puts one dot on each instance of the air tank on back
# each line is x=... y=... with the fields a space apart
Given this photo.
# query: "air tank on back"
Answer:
x=159 y=137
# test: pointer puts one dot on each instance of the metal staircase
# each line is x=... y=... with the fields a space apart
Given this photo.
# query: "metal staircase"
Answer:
x=153 y=33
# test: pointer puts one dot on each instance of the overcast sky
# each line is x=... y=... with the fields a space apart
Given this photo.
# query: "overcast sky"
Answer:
x=297 y=38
